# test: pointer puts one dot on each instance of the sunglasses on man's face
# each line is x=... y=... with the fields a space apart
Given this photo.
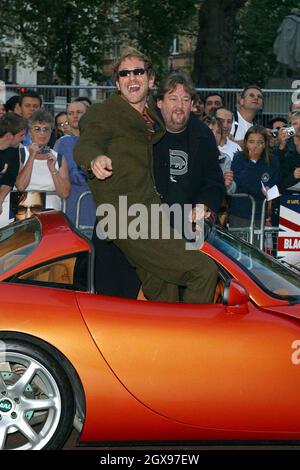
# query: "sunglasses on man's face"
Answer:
x=127 y=73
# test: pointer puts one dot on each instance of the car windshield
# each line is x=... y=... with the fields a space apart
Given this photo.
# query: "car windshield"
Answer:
x=271 y=275
x=17 y=241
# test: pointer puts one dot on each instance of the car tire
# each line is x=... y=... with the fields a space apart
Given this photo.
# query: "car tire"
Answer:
x=36 y=400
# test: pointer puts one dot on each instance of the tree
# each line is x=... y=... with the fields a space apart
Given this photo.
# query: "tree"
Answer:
x=156 y=23
x=59 y=34
x=52 y=33
x=258 y=24
x=215 y=55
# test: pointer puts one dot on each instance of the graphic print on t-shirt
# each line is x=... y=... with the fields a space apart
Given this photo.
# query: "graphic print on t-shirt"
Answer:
x=178 y=164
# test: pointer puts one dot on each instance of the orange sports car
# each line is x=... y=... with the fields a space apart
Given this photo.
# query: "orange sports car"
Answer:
x=125 y=371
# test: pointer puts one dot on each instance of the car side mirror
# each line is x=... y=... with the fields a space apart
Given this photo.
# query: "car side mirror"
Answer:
x=236 y=297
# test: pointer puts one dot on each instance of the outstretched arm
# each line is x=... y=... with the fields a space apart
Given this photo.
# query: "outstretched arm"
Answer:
x=102 y=167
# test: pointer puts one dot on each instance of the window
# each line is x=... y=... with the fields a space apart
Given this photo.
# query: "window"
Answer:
x=270 y=274
x=175 y=46
x=17 y=241
x=66 y=273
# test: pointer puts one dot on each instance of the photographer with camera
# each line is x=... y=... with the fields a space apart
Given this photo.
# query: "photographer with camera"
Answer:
x=286 y=149
x=41 y=168
x=290 y=165
x=286 y=134
x=273 y=128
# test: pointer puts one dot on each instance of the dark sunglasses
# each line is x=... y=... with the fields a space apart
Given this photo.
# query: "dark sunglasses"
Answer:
x=21 y=210
x=127 y=73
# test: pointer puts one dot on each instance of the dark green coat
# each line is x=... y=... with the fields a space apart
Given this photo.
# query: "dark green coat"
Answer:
x=117 y=130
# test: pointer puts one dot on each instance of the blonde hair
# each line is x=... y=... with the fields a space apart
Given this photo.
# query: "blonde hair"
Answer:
x=129 y=52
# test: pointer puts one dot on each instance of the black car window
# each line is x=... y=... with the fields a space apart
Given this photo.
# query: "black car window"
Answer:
x=266 y=271
x=17 y=241
x=68 y=273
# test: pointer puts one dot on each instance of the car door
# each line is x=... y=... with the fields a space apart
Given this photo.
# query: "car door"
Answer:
x=205 y=365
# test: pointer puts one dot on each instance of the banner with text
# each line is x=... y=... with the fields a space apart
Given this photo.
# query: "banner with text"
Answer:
x=289 y=229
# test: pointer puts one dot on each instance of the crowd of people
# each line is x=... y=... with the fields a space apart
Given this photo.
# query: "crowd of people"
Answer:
x=254 y=158
x=171 y=146
x=42 y=161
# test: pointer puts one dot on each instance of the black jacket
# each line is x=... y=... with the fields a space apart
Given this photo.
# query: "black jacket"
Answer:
x=204 y=180
x=288 y=163
x=249 y=177
x=9 y=166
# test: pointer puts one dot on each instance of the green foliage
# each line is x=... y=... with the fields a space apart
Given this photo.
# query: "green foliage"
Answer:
x=258 y=23
x=157 y=23
x=53 y=33
x=59 y=33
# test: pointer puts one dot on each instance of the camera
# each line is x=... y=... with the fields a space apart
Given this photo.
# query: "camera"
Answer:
x=274 y=132
x=44 y=149
x=290 y=131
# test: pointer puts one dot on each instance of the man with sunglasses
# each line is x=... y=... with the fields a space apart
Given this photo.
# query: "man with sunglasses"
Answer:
x=27 y=204
x=123 y=130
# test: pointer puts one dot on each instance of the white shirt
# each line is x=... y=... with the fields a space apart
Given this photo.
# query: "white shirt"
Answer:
x=41 y=180
x=230 y=148
x=243 y=126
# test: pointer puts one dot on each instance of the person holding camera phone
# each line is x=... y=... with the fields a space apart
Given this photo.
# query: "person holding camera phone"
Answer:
x=41 y=168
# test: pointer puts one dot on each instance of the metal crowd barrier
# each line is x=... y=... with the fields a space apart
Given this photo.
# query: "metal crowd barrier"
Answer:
x=85 y=229
x=247 y=232
x=264 y=236
x=276 y=101
x=268 y=235
x=56 y=97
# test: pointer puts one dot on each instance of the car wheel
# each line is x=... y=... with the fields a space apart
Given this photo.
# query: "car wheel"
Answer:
x=36 y=400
